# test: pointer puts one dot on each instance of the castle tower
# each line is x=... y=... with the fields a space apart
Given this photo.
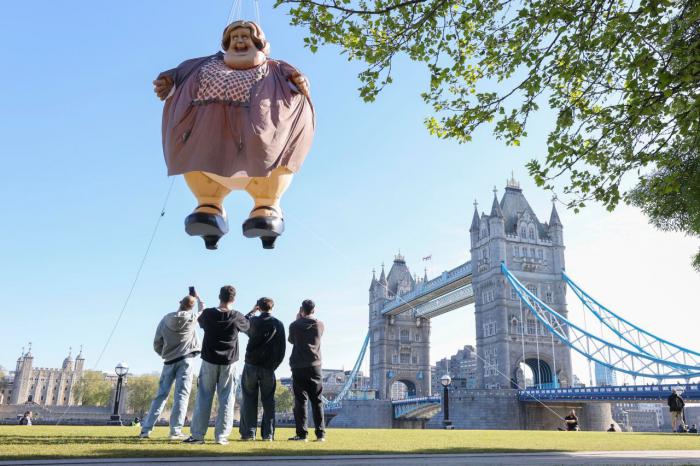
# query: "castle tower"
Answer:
x=399 y=345
x=22 y=381
x=534 y=253
x=79 y=363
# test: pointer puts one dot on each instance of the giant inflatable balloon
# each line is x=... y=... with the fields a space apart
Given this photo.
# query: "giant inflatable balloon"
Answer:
x=236 y=120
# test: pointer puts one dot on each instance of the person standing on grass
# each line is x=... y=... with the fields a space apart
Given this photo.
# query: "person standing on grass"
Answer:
x=676 y=405
x=265 y=351
x=218 y=372
x=307 y=383
x=177 y=343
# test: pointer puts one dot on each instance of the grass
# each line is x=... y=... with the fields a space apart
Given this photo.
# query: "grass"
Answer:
x=50 y=442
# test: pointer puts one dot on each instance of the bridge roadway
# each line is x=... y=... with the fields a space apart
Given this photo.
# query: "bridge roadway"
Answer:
x=427 y=406
x=449 y=291
x=632 y=393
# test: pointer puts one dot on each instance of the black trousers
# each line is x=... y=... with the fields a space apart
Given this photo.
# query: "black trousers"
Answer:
x=307 y=384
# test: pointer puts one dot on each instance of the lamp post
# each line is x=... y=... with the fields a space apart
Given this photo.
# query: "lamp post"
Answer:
x=446 y=380
x=121 y=370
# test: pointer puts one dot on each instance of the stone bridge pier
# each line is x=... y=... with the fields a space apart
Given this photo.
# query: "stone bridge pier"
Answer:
x=501 y=409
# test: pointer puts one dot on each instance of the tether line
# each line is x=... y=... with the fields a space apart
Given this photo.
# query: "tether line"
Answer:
x=133 y=285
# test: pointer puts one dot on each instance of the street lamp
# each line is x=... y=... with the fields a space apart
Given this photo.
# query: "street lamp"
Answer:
x=121 y=370
x=446 y=380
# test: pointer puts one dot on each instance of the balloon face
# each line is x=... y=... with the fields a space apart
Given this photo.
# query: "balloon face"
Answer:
x=242 y=53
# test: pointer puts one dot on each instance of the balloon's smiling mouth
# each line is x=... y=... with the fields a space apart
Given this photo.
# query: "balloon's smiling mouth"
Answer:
x=240 y=49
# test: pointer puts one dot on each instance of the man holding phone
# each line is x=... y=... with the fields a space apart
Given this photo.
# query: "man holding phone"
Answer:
x=264 y=353
x=307 y=381
x=177 y=343
x=217 y=374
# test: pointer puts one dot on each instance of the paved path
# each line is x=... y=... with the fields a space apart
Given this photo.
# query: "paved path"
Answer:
x=677 y=457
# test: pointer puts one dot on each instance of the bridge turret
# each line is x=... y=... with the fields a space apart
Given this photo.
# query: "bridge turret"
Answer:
x=475 y=226
x=556 y=234
x=534 y=252
x=399 y=344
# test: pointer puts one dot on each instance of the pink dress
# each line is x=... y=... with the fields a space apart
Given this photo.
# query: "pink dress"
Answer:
x=235 y=123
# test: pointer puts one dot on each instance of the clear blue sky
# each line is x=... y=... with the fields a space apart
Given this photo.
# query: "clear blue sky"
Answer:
x=85 y=179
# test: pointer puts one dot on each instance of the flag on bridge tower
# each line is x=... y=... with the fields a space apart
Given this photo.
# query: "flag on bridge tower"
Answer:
x=427 y=258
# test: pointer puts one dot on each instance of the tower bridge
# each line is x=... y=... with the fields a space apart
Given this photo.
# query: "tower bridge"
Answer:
x=517 y=282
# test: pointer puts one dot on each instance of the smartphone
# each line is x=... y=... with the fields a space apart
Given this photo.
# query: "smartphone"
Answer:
x=192 y=292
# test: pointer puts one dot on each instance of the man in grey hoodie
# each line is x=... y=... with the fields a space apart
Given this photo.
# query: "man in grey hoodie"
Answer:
x=177 y=343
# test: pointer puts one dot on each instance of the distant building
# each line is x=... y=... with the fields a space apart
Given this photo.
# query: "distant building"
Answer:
x=40 y=385
x=47 y=387
x=639 y=417
x=461 y=367
x=577 y=382
x=334 y=380
x=604 y=375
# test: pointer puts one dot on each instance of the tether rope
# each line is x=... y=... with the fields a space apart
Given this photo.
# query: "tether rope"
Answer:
x=131 y=289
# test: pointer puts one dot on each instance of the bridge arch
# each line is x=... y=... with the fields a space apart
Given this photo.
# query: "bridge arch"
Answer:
x=402 y=388
x=536 y=369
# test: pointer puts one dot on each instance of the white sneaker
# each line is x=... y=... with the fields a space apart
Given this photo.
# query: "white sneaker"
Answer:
x=222 y=441
x=179 y=436
x=144 y=435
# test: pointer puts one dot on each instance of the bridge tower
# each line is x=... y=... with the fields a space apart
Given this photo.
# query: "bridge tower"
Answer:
x=534 y=253
x=399 y=345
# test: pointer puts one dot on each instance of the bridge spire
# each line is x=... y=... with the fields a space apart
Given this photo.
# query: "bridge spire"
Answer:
x=475 y=218
x=382 y=277
x=554 y=216
x=512 y=182
x=496 y=211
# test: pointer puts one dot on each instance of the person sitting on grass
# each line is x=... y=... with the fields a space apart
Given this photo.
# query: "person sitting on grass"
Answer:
x=612 y=428
x=571 y=421
x=693 y=429
x=26 y=419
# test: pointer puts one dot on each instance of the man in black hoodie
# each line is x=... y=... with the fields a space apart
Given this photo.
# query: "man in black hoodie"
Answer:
x=264 y=353
x=676 y=405
x=305 y=334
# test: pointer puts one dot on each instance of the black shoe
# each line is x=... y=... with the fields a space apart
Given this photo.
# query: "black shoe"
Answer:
x=267 y=228
x=211 y=227
x=268 y=242
x=296 y=438
x=247 y=439
x=193 y=441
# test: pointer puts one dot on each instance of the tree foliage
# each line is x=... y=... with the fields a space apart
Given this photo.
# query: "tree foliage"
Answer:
x=93 y=389
x=623 y=77
x=3 y=379
x=284 y=398
x=142 y=389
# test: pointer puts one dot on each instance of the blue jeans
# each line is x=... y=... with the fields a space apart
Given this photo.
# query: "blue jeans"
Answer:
x=179 y=373
x=222 y=380
x=256 y=379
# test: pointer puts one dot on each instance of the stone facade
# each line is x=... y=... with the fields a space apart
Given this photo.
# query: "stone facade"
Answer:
x=500 y=409
x=43 y=386
x=399 y=345
x=639 y=417
x=534 y=252
x=334 y=380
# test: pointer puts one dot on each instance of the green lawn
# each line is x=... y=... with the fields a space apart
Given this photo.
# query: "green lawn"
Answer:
x=37 y=442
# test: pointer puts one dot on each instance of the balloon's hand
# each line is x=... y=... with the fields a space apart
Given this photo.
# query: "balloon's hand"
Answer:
x=163 y=86
x=301 y=83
